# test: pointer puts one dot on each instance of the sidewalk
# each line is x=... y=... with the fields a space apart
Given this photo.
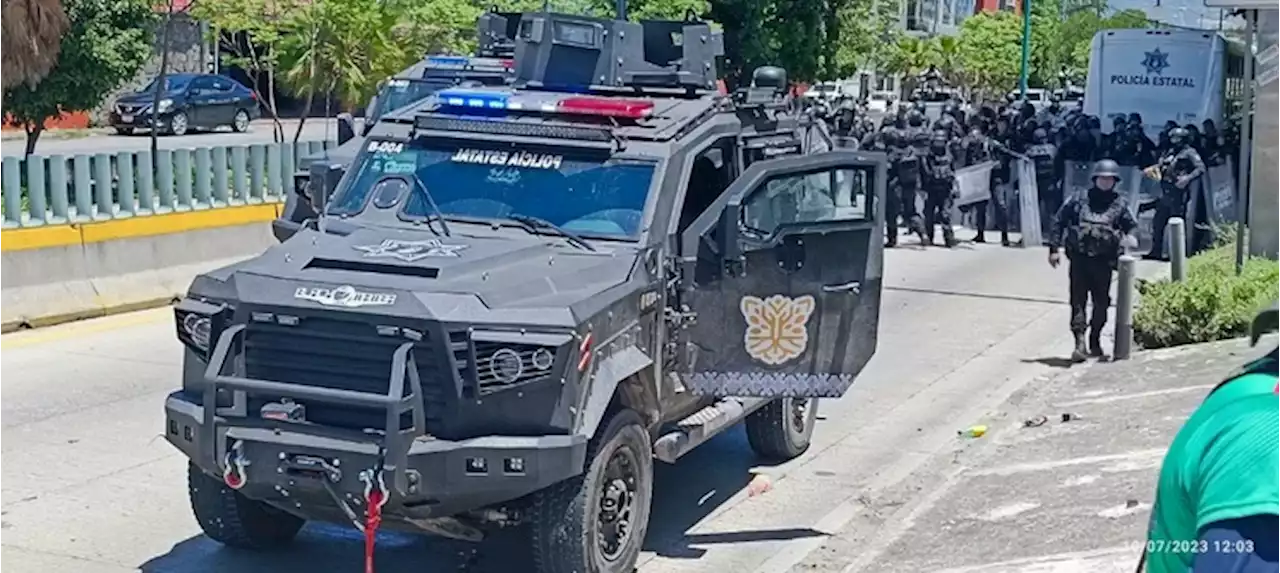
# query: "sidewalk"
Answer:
x=1058 y=497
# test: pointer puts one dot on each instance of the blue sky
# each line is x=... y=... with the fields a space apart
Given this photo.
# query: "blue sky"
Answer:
x=1189 y=13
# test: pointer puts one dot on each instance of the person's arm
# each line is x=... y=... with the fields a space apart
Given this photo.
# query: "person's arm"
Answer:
x=1241 y=545
x=1197 y=169
x=1057 y=231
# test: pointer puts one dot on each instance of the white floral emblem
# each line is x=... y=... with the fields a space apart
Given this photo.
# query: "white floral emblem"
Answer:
x=777 y=327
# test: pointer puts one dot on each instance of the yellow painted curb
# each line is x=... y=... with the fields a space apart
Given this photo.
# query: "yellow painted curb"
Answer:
x=142 y=226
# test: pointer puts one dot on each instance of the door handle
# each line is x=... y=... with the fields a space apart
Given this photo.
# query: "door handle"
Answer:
x=853 y=287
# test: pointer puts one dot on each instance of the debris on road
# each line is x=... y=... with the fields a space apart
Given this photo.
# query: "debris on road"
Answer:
x=759 y=484
x=1035 y=421
x=973 y=431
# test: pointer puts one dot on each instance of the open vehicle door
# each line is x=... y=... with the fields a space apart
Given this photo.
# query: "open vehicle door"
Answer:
x=782 y=274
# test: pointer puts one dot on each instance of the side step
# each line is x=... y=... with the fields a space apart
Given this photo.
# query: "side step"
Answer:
x=702 y=425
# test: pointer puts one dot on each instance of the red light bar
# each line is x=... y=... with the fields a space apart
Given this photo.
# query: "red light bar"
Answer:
x=610 y=107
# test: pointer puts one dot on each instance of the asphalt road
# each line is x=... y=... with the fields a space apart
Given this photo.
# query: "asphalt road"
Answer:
x=92 y=486
x=104 y=141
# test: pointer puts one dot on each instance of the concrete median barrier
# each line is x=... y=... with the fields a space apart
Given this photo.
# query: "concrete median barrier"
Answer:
x=55 y=274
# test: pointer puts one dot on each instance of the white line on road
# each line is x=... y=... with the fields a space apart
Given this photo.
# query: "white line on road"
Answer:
x=1137 y=395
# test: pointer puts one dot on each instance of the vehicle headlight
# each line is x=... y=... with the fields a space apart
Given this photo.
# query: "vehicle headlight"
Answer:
x=198 y=324
x=501 y=361
x=165 y=104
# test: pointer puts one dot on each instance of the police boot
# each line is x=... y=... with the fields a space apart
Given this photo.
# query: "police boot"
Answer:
x=1004 y=239
x=1095 y=342
x=981 y=237
x=948 y=237
x=1079 y=353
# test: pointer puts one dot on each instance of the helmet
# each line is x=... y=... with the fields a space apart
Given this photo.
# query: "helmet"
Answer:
x=1039 y=135
x=918 y=105
x=1135 y=118
x=915 y=118
x=1178 y=135
x=890 y=137
x=1106 y=168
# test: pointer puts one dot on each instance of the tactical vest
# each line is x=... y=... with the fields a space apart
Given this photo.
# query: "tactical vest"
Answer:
x=1098 y=236
x=1043 y=155
x=941 y=170
x=907 y=165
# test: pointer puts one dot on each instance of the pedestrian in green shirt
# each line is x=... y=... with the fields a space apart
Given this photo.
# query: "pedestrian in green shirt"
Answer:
x=1218 y=495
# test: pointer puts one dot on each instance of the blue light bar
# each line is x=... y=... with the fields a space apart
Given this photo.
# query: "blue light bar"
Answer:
x=477 y=99
x=459 y=61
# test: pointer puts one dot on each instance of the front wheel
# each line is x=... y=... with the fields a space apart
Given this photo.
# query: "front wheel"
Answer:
x=782 y=429
x=596 y=522
x=179 y=124
x=235 y=520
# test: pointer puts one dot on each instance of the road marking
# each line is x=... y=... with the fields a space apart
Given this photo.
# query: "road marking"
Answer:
x=25 y=339
x=1136 y=395
x=1143 y=455
x=1009 y=297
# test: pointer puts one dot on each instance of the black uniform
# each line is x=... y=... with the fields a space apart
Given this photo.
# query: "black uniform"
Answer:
x=1090 y=228
x=978 y=149
x=1179 y=170
x=938 y=181
x=904 y=181
x=1048 y=168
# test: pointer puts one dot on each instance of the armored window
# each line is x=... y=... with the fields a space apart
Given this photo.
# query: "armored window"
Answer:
x=828 y=195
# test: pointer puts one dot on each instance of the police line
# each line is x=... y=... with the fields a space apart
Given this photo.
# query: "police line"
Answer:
x=1216 y=190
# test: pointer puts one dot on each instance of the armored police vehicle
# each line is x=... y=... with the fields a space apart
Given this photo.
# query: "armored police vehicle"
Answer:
x=518 y=297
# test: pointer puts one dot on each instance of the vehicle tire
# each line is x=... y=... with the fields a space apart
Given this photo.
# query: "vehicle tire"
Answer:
x=568 y=529
x=179 y=124
x=782 y=429
x=240 y=123
x=124 y=131
x=235 y=520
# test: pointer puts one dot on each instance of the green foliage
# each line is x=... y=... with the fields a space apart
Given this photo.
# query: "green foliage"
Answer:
x=107 y=43
x=1213 y=303
x=989 y=51
x=868 y=35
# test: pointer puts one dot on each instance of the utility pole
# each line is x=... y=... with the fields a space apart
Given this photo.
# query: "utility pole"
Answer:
x=1026 y=48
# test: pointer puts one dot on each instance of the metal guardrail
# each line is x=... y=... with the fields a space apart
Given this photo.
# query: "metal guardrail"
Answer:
x=45 y=190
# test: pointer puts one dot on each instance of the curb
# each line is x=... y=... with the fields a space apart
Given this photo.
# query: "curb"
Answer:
x=56 y=319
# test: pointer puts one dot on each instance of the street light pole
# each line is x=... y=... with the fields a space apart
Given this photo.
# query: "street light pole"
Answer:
x=1026 y=48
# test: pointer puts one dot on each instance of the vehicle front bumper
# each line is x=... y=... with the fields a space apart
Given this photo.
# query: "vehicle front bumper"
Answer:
x=141 y=120
x=438 y=477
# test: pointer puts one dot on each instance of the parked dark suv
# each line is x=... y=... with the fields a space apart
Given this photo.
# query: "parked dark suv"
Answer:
x=205 y=101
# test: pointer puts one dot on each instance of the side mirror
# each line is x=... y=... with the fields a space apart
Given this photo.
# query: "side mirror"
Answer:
x=369 y=119
x=346 y=128
x=728 y=235
x=323 y=180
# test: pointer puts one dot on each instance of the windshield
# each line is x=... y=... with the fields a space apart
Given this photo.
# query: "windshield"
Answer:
x=398 y=93
x=879 y=96
x=171 y=83
x=592 y=196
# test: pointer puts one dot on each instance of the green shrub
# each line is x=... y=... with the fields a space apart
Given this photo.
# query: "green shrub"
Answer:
x=1212 y=304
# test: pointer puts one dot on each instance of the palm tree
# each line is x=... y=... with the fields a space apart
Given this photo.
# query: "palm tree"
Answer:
x=911 y=58
x=32 y=36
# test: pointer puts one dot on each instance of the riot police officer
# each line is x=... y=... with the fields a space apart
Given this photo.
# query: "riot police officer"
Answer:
x=1179 y=169
x=938 y=181
x=1093 y=229
x=1044 y=156
x=917 y=132
x=904 y=167
x=979 y=148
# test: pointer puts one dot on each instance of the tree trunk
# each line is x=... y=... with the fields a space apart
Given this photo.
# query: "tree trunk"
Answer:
x=33 y=131
x=277 y=130
x=160 y=78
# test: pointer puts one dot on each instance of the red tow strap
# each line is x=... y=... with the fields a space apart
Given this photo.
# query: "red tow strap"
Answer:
x=373 y=518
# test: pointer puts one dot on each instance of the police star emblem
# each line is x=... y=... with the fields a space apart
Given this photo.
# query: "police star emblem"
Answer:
x=410 y=251
x=1155 y=61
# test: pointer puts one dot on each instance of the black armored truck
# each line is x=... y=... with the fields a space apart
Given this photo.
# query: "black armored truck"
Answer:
x=515 y=298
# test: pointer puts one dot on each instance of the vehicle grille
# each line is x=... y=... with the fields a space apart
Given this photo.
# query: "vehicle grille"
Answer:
x=130 y=108
x=341 y=354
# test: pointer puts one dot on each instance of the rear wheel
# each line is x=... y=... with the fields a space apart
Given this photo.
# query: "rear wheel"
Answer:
x=235 y=520
x=240 y=123
x=782 y=429
x=596 y=522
